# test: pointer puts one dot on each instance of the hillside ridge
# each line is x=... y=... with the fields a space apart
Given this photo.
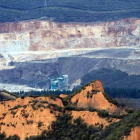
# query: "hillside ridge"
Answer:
x=46 y=114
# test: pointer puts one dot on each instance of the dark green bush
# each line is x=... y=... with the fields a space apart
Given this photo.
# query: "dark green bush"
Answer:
x=122 y=128
x=22 y=97
x=40 y=124
x=13 y=112
x=129 y=110
x=55 y=107
x=3 y=137
x=15 y=137
x=103 y=113
x=25 y=115
x=16 y=107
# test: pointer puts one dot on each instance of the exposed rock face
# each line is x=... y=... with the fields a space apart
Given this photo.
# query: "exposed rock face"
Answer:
x=92 y=96
x=134 y=135
x=97 y=85
x=42 y=40
x=24 y=120
x=5 y=96
x=39 y=35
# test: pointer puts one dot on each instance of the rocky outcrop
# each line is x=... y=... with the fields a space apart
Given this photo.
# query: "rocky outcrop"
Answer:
x=6 y=96
x=92 y=95
x=27 y=117
x=39 y=35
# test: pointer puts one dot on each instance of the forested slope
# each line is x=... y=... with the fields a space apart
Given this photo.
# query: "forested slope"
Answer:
x=67 y=10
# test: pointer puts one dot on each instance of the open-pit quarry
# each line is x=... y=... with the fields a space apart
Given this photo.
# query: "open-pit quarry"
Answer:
x=32 y=51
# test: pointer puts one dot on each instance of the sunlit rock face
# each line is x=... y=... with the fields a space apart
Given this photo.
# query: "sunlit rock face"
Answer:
x=38 y=35
x=92 y=96
x=17 y=121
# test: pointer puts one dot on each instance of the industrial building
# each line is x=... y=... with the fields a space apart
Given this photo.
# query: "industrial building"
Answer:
x=60 y=83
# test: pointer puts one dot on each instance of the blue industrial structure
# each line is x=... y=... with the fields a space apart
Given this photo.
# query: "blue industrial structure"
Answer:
x=60 y=83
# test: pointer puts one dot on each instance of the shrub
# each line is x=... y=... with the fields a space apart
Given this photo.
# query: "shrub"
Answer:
x=33 y=106
x=129 y=110
x=29 y=121
x=103 y=113
x=4 y=114
x=13 y=112
x=25 y=115
x=16 y=107
x=75 y=108
x=55 y=107
x=40 y=124
x=3 y=137
x=15 y=137
x=40 y=105
x=78 y=121
x=91 y=109
x=22 y=97
x=44 y=102
x=53 y=97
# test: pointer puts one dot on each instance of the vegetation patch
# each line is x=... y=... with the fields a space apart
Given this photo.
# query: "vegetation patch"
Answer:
x=13 y=112
x=64 y=129
x=55 y=107
x=25 y=115
x=3 y=137
x=117 y=130
x=103 y=113
x=16 y=107
x=29 y=121
x=40 y=124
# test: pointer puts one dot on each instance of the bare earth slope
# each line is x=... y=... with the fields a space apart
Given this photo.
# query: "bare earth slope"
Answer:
x=28 y=116
x=92 y=96
x=92 y=118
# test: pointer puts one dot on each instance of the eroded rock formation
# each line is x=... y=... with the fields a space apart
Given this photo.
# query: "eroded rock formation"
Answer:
x=92 y=95
x=28 y=116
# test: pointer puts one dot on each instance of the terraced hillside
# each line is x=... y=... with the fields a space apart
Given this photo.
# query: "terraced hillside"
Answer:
x=67 y=10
